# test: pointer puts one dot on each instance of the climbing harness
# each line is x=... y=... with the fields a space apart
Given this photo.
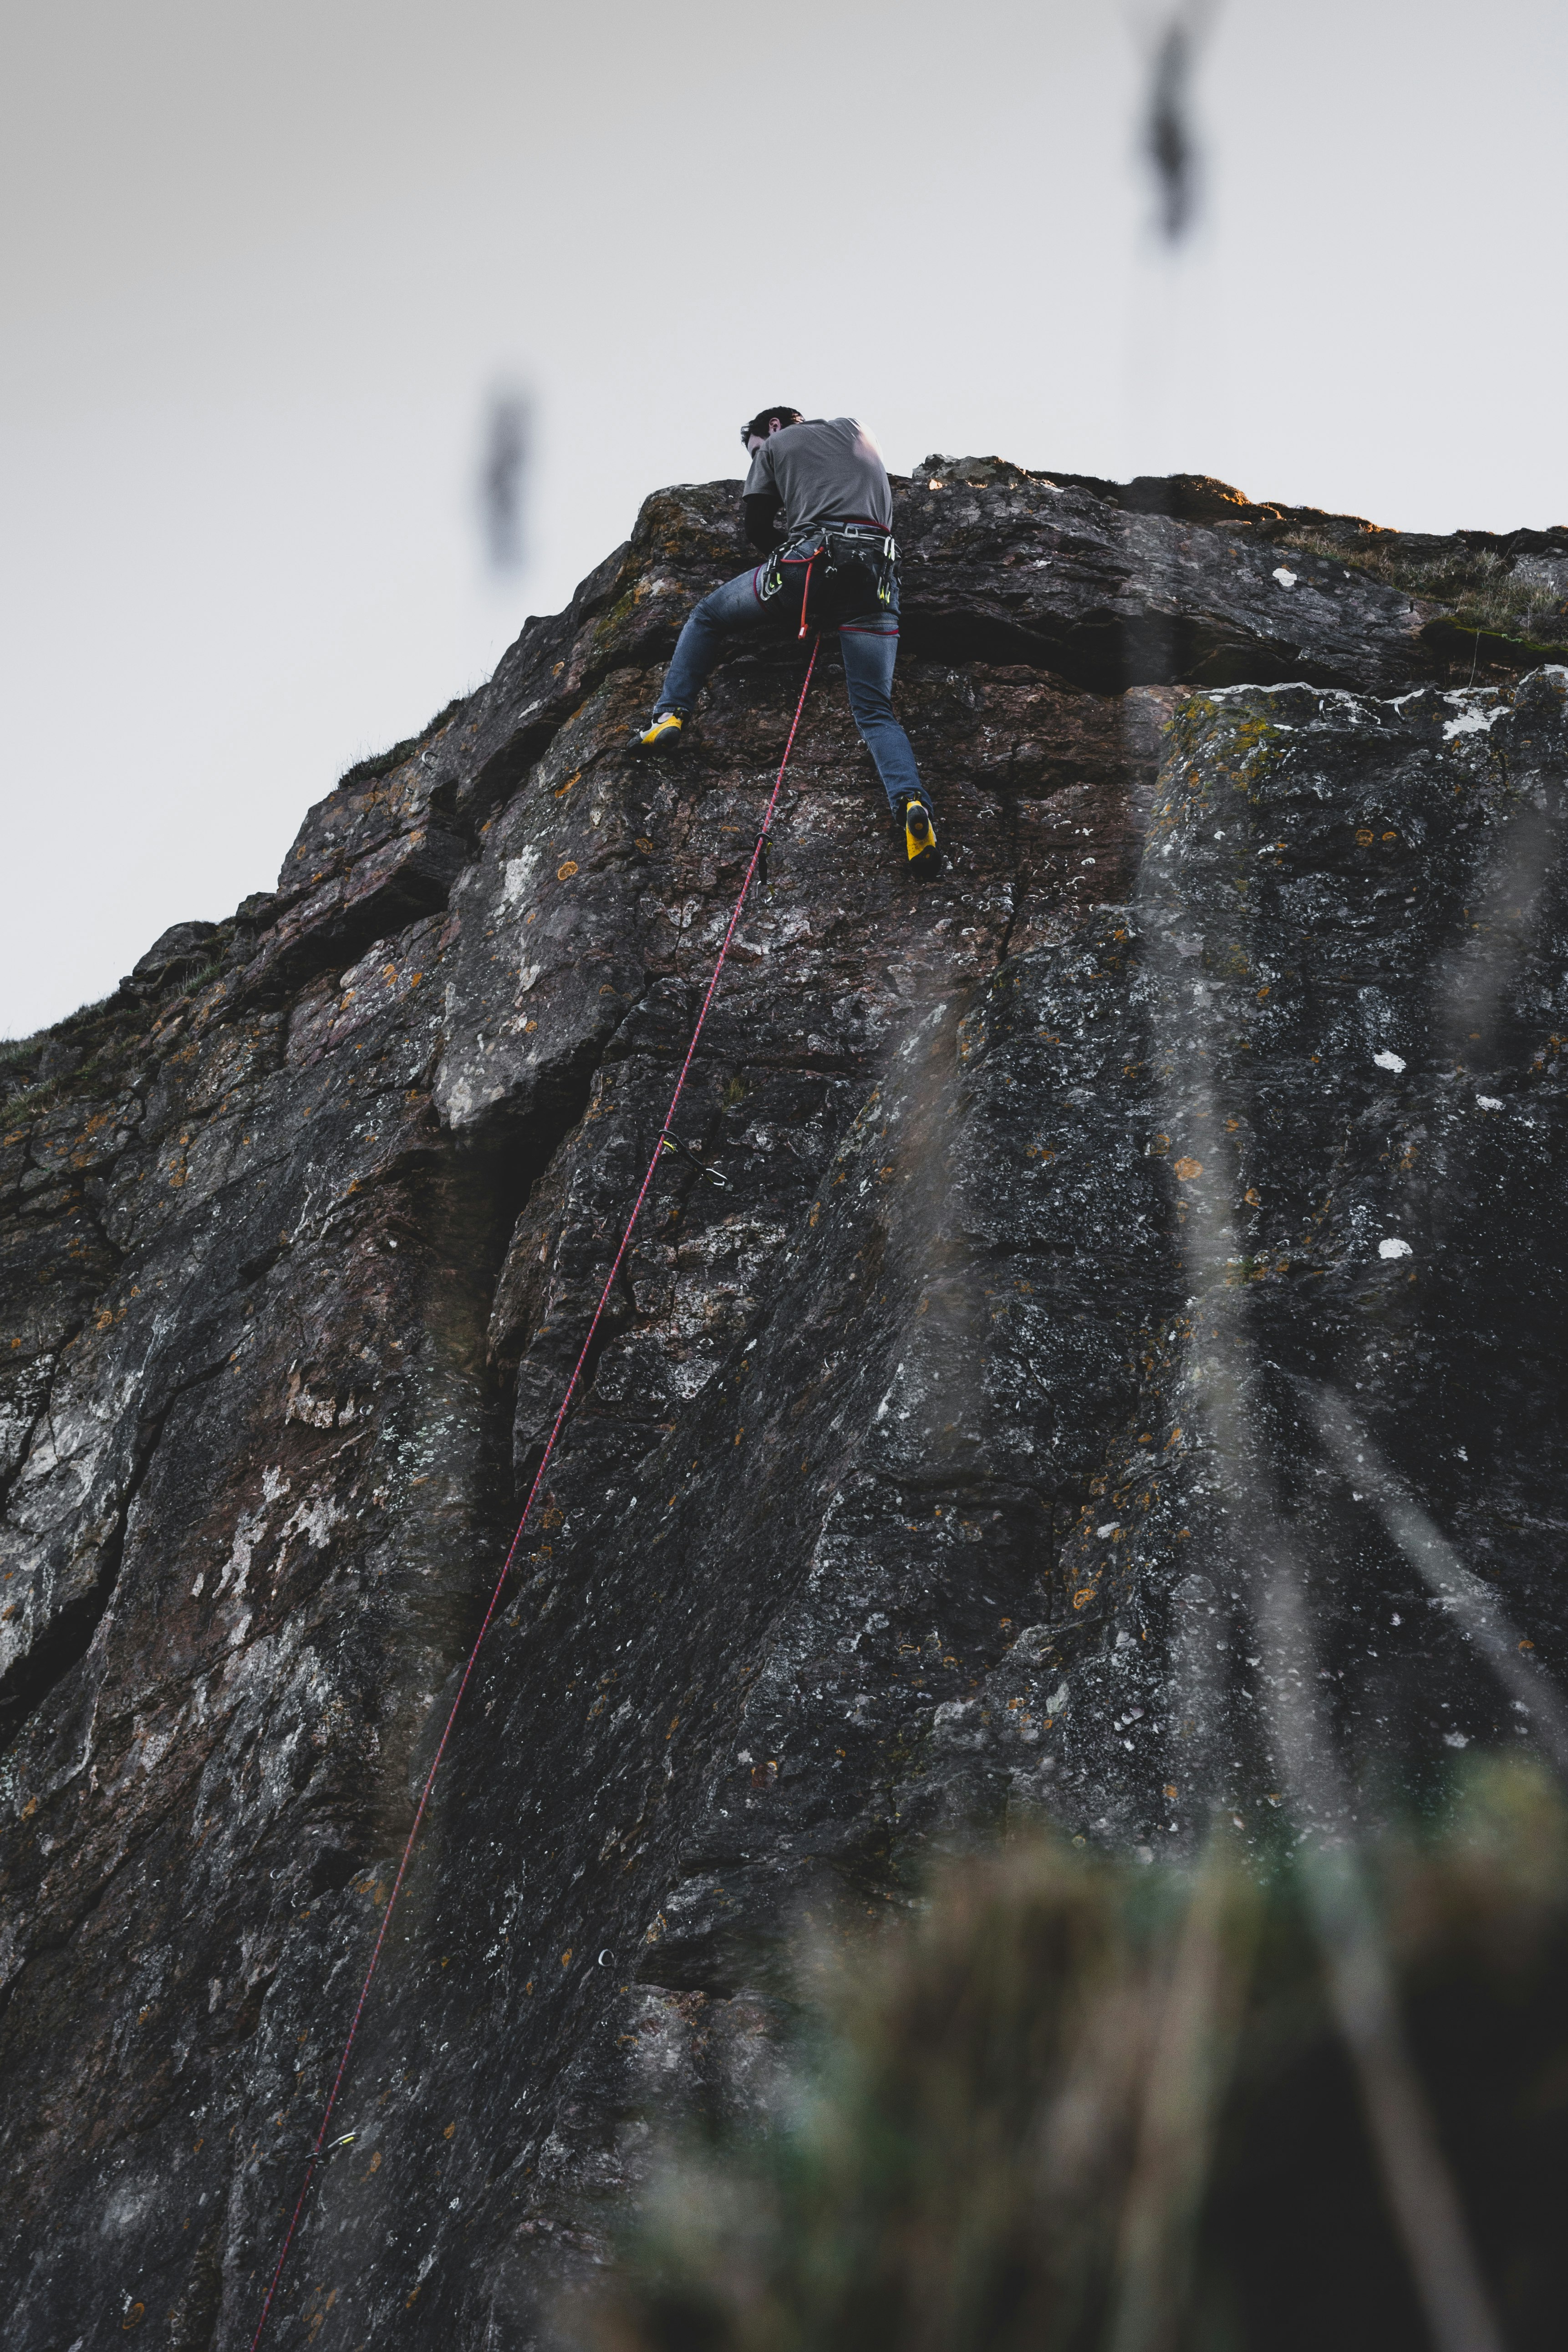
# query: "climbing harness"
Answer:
x=666 y=1140
x=859 y=567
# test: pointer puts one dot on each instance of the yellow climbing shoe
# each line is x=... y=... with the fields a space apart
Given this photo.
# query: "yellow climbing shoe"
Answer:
x=920 y=834
x=661 y=733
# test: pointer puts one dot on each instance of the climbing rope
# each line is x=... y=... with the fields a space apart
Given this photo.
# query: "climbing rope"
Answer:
x=658 y=1152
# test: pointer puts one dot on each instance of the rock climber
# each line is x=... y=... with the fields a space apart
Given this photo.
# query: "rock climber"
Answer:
x=819 y=505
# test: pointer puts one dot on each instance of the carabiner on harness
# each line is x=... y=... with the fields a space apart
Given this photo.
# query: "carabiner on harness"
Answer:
x=673 y=1143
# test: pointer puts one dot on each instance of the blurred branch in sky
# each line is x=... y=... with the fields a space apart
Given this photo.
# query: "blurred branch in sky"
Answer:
x=1170 y=140
x=501 y=478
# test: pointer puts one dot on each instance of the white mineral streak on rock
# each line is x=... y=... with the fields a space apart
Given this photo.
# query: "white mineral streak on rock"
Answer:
x=124 y=2208
x=316 y=1518
x=881 y=1412
x=246 y=1535
x=1392 y=1248
x=1472 y=720
x=316 y=1412
x=1387 y=1061
x=516 y=873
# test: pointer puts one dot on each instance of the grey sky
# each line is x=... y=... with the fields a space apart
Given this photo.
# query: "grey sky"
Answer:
x=265 y=265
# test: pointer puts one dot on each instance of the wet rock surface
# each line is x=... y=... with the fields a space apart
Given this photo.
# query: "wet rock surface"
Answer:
x=1119 y=1375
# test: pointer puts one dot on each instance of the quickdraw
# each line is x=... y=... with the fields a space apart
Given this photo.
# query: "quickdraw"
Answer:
x=669 y=1142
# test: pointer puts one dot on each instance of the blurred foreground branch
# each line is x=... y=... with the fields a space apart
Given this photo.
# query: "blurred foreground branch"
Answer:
x=1083 y=2105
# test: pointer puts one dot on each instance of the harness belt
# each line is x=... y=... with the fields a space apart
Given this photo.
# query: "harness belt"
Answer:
x=838 y=546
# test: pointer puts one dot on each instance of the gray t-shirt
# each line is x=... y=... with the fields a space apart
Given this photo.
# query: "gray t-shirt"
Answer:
x=827 y=470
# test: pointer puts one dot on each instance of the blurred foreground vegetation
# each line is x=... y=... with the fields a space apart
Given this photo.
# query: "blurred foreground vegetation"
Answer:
x=1078 y=2104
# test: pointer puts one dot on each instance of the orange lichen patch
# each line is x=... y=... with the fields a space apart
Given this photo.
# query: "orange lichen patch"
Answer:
x=565 y=872
x=1252 y=1197
x=1187 y=1168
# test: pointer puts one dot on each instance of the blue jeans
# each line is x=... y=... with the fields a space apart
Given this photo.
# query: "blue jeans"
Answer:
x=869 y=644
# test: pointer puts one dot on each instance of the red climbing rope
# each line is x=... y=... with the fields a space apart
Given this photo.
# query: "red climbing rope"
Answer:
x=805 y=600
x=315 y=2155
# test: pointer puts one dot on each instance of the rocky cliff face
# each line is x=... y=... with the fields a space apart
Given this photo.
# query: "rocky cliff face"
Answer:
x=1120 y=1374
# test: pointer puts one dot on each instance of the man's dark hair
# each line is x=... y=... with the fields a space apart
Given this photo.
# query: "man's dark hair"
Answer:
x=763 y=419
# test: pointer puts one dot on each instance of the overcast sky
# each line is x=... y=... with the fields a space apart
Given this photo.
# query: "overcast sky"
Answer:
x=266 y=268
